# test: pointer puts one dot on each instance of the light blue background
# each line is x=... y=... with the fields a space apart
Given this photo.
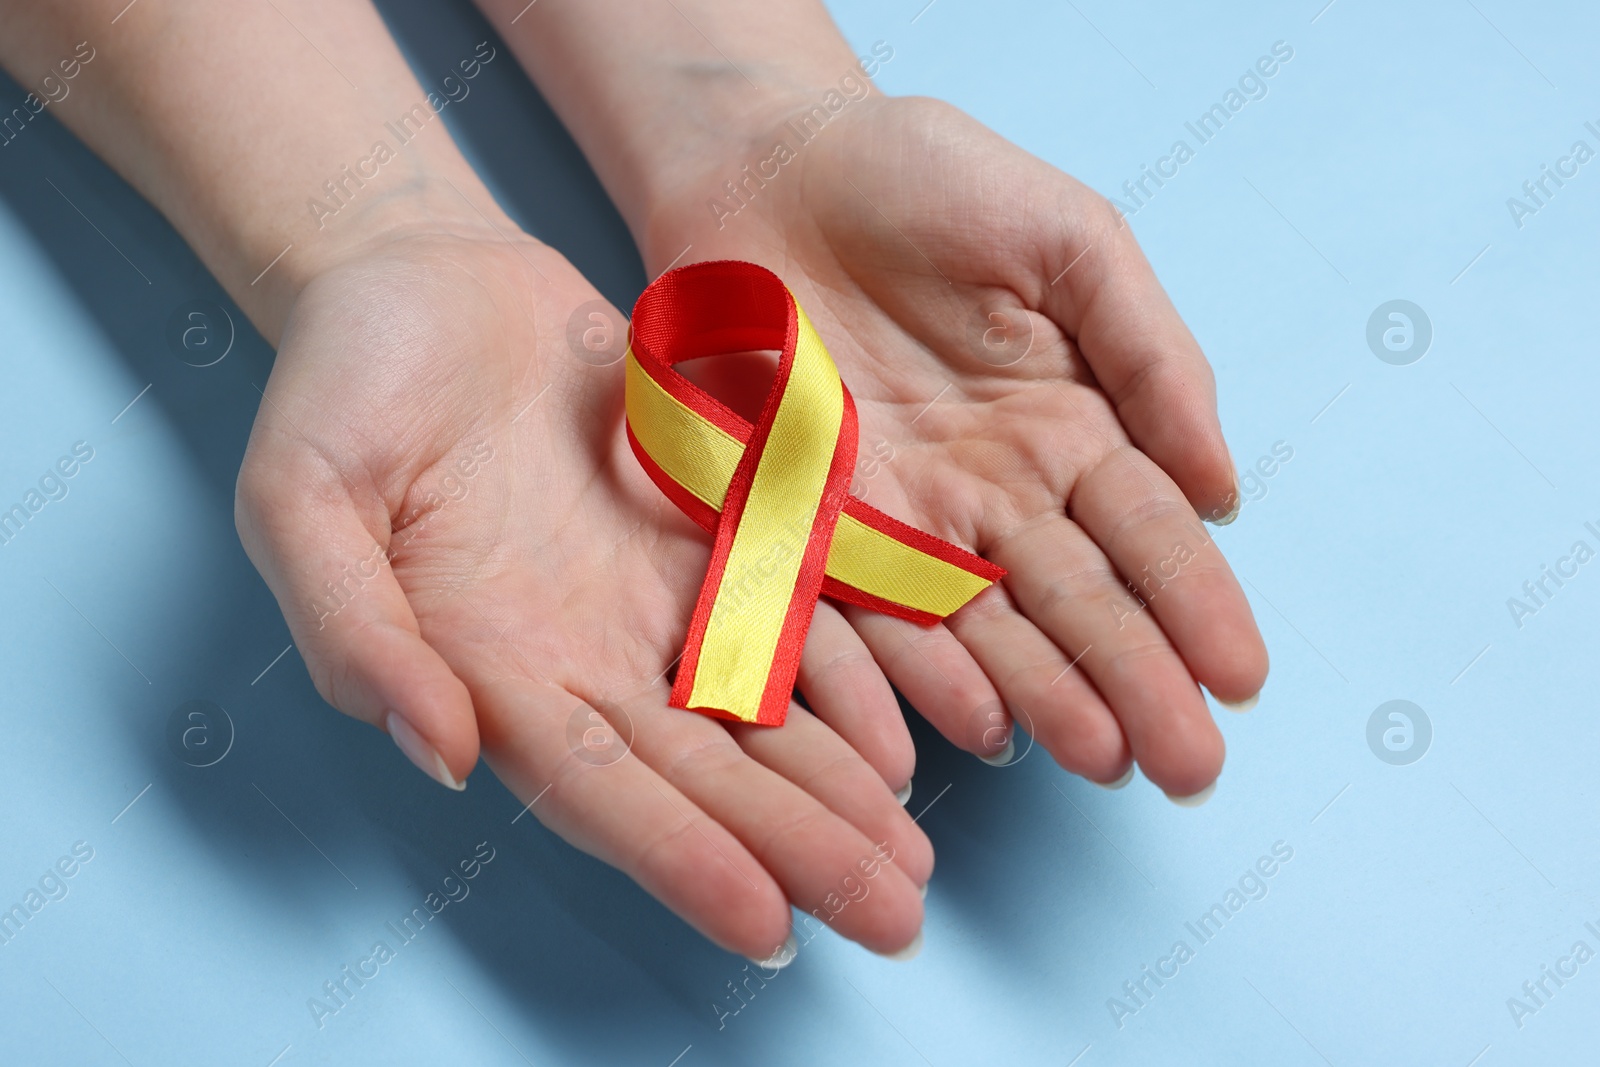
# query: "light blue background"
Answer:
x=1419 y=898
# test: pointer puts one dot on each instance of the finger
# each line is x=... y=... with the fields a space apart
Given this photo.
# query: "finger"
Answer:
x=1152 y=536
x=812 y=756
x=940 y=679
x=327 y=563
x=1106 y=297
x=1066 y=586
x=808 y=849
x=602 y=799
x=846 y=689
x=1058 y=705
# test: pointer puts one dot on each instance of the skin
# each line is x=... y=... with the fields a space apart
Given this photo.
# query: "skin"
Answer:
x=499 y=607
x=414 y=331
x=1004 y=338
x=420 y=330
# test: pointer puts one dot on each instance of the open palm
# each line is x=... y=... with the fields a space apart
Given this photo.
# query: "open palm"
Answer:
x=1025 y=389
x=440 y=494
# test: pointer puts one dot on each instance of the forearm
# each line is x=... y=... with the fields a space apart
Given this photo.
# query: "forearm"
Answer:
x=656 y=92
x=253 y=127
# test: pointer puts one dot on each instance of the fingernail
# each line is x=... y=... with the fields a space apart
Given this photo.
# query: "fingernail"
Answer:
x=1242 y=706
x=1003 y=757
x=1238 y=505
x=922 y=891
x=908 y=953
x=781 y=958
x=903 y=794
x=418 y=751
x=1194 y=800
x=1120 y=782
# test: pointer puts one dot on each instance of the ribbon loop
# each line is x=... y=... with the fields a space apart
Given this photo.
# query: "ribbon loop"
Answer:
x=774 y=495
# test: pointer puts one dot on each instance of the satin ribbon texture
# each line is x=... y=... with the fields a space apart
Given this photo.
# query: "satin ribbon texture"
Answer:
x=775 y=496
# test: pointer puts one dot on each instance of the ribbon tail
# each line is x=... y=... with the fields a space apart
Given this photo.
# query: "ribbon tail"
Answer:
x=745 y=639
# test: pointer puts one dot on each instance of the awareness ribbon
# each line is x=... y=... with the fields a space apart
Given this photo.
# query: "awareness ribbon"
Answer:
x=774 y=495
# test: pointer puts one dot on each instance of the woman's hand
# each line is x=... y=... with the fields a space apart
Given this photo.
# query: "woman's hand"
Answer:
x=439 y=492
x=1006 y=342
x=1026 y=389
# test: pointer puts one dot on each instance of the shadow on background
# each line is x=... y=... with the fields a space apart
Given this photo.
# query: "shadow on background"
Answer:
x=547 y=910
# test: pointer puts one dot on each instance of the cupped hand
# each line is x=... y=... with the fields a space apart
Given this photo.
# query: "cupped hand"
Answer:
x=1025 y=388
x=440 y=494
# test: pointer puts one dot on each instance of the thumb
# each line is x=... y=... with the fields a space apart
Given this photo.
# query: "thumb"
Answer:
x=350 y=618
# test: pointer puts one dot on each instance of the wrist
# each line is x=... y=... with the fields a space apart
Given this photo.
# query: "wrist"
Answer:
x=732 y=150
x=357 y=221
x=680 y=98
